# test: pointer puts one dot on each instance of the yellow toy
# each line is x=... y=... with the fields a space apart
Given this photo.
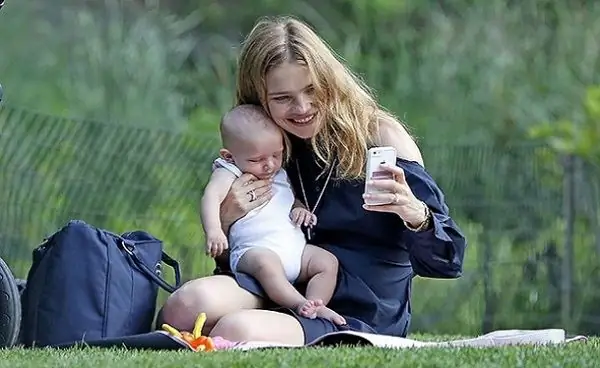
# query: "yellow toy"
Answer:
x=194 y=340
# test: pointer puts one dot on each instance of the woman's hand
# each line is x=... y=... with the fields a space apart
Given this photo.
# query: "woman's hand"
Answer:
x=399 y=197
x=246 y=194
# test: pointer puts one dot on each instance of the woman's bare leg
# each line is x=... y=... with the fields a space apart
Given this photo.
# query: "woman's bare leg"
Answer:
x=259 y=325
x=216 y=296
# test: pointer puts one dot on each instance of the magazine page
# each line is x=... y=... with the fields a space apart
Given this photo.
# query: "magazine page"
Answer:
x=251 y=345
x=363 y=338
x=492 y=339
x=520 y=337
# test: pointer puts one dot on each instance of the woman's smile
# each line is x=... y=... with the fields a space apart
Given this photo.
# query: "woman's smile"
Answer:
x=305 y=120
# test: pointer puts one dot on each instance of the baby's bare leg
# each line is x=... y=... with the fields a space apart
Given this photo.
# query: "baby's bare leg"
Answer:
x=320 y=269
x=265 y=265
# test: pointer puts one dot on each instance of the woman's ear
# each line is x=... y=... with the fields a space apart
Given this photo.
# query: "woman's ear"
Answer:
x=226 y=155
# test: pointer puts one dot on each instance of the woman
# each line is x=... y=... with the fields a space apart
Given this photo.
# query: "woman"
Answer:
x=331 y=120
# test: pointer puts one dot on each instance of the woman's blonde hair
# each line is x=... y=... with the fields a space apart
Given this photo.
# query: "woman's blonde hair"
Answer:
x=352 y=114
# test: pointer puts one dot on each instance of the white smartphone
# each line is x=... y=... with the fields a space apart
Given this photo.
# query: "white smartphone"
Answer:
x=376 y=157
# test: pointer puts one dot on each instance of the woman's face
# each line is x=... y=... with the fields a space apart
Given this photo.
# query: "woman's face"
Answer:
x=290 y=99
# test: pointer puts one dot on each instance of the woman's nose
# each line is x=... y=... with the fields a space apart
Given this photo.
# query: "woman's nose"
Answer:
x=303 y=104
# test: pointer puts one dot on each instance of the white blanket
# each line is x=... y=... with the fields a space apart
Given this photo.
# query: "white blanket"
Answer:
x=492 y=339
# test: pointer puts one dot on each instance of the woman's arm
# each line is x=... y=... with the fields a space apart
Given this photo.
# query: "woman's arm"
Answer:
x=437 y=251
x=392 y=133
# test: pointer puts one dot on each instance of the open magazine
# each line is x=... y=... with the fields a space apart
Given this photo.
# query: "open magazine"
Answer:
x=492 y=339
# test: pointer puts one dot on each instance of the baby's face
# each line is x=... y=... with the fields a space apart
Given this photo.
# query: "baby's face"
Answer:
x=260 y=157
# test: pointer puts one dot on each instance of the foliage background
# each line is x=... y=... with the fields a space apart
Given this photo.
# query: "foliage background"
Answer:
x=111 y=108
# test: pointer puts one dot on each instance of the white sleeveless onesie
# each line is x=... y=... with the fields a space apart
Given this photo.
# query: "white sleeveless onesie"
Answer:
x=268 y=226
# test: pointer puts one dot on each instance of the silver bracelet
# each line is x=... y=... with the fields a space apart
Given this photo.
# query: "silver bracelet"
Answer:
x=424 y=225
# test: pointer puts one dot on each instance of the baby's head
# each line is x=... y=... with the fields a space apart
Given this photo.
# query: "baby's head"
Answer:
x=252 y=141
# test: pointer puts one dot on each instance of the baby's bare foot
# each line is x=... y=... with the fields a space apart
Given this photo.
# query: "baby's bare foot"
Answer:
x=324 y=312
x=309 y=308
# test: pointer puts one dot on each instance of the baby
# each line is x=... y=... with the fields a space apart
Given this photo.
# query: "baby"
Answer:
x=267 y=243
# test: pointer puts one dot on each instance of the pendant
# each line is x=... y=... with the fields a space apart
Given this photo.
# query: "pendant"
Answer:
x=309 y=232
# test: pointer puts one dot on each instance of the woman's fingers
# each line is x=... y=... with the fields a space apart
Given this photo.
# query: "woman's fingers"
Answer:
x=261 y=192
x=244 y=180
x=250 y=182
x=386 y=198
x=259 y=187
x=387 y=185
x=397 y=171
x=379 y=208
x=250 y=193
x=261 y=196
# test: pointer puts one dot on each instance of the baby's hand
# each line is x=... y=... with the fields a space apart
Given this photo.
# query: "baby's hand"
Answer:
x=216 y=242
x=301 y=216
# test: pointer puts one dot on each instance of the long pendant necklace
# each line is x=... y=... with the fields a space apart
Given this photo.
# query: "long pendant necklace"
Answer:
x=312 y=211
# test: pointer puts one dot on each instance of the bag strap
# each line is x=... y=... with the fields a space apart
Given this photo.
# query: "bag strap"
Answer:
x=170 y=261
x=130 y=254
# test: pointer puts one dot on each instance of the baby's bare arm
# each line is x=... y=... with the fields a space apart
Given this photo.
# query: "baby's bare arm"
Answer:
x=297 y=202
x=215 y=192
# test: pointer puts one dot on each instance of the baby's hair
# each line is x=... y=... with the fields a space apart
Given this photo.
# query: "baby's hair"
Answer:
x=245 y=122
x=249 y=122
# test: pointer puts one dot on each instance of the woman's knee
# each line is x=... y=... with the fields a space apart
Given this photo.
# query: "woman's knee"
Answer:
x=213 y=295
x=183 y=306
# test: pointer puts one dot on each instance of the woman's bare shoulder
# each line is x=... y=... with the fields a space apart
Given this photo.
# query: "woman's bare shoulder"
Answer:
x=392 y=133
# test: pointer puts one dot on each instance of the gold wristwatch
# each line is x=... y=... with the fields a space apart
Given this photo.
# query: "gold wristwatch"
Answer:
x=425 y=224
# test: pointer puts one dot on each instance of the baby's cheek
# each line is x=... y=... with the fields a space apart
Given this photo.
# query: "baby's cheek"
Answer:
x=278 y=164
x=243 y=168
x=253 y=169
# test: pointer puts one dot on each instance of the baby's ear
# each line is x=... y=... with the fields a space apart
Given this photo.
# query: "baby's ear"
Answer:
x=226 y=155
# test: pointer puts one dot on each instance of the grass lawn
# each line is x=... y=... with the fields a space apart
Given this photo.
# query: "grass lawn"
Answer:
x=577 y=354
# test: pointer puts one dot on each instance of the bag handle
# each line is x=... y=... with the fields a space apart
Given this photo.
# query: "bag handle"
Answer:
x=129 y=251
x=170 y=261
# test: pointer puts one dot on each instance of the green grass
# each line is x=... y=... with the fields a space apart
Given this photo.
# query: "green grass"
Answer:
x=577 y=354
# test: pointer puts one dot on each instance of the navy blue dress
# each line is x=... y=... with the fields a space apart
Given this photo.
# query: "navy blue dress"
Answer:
x=378 y=256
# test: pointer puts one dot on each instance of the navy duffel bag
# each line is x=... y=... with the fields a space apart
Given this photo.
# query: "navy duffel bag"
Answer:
x=89 y=284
